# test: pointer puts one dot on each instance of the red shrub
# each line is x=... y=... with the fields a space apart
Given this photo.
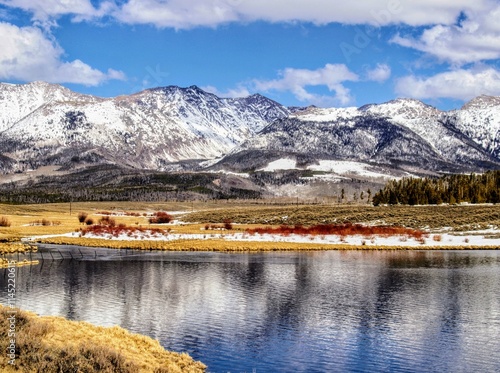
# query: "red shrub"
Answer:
x=228 y=224
x=161 y=217
x=342 y=230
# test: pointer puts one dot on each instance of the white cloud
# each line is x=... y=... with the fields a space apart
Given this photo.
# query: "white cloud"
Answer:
x=27 y=54
x=476 y=38
x=296 y=80
x=192 y=13
x=458 y=84
x=47 y=9
x=380 y=73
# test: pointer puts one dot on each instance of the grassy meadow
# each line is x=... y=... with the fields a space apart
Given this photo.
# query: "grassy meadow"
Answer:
x=59 y=218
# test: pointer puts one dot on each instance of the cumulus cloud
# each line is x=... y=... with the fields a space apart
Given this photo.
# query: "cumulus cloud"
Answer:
x=28 y=54
x=461 y=84
x=49 y=9
x=194 y=13
x=380 y=73
x=297 y=80
x=475 y=38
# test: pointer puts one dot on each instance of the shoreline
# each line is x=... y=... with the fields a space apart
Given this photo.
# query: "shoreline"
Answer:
x=218 y=245
x=52 y=343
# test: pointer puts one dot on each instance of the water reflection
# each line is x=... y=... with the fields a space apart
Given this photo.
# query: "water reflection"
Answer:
x=289 y=312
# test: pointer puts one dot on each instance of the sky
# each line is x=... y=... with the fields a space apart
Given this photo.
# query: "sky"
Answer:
x=317 y=52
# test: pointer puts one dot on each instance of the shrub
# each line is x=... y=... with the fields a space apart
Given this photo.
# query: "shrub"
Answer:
x=4 y=222
x=106 y=220
x=82 y=216
x=437 y=238
x=342 y=230
x=160 y=217
x=228 y=224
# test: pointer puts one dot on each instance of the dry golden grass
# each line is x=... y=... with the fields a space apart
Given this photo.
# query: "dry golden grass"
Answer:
x=16 y=247
x=236 y=246
x=54 y=344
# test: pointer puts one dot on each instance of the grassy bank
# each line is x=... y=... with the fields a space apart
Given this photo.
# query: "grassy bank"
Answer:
x=54 y=344
x=217 y=245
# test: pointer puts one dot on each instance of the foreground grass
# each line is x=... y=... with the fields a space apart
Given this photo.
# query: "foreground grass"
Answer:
x=54 y=344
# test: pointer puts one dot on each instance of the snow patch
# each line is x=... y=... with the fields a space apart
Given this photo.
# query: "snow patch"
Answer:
x=280 y=164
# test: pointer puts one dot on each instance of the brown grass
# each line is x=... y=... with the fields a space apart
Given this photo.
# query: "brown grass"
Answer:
x=53 y=344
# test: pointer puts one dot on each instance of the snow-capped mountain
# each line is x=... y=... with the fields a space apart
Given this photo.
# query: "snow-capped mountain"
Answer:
x=479 y=120
x=404 y=134
x=47 y=124
x=43 y=123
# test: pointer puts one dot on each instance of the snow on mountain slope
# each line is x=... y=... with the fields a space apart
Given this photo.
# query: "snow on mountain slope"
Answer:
x=400 y=133
x=148 y=129
x=17 y=101
x=479 y=119
x=432 y=125
x=43 y=124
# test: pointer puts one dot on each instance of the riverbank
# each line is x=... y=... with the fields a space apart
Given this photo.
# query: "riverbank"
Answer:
x=54 y=344
x=443 y=227
x=278 y=243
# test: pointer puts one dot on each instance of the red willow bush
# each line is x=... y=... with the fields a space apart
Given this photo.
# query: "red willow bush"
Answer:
x=346 y=229
x=161 y=217
x=115 y=231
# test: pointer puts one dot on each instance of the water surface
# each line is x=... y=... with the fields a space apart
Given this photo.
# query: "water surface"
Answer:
x=351 y=311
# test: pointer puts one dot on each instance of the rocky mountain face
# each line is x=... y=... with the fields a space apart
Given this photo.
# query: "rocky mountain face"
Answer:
x=403 y=134
x=43 y=124
x=174 y=128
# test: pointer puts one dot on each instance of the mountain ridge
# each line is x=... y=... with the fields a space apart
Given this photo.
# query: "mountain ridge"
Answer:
x=159 y=128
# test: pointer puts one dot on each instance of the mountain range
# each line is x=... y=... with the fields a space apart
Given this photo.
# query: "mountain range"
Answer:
x=173 y=128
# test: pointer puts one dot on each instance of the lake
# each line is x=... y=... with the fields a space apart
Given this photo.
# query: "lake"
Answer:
x=336 y=311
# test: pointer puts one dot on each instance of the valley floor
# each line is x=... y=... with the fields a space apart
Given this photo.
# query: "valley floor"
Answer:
x=199 y=226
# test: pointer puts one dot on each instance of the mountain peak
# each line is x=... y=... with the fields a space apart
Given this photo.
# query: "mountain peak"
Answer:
x=482 y=102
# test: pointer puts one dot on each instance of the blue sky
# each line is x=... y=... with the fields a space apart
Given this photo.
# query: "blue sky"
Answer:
x=317 y=52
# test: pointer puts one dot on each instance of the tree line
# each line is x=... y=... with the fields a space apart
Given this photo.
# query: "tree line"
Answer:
x=452 y=189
